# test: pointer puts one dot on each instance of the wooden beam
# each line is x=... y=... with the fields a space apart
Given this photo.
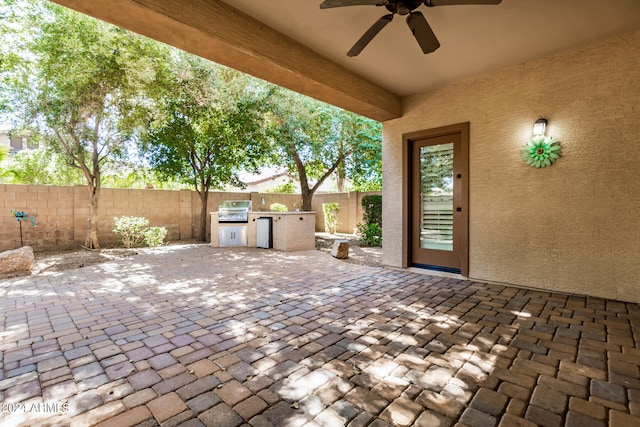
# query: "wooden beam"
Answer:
x=216 y=31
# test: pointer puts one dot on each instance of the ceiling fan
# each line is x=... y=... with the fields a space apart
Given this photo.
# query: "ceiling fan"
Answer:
x=416 y=21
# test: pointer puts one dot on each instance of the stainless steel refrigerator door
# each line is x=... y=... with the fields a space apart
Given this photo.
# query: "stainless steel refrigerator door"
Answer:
x=263 y=231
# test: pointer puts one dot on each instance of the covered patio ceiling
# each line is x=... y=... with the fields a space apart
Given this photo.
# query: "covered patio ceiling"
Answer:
x=296 y=45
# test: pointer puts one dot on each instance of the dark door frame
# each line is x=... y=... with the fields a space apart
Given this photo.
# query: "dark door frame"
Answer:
x=407 y=204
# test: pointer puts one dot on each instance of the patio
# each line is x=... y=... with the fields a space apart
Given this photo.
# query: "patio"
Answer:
x=189 y=335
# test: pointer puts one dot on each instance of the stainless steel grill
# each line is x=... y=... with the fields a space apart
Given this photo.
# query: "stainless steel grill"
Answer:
x=234 y=211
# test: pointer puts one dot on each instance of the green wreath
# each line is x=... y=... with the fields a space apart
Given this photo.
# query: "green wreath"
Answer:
x=541 y=151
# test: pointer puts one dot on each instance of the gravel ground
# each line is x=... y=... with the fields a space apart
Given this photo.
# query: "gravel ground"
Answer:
x=51 y=262
x=358 y=254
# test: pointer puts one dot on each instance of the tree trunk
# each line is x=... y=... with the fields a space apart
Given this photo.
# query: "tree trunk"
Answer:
x=340 y=181
x=91 y=173
x=204 y=198
x=307 y=193
x=91 y=240
x=307 y=197
x=341 y=172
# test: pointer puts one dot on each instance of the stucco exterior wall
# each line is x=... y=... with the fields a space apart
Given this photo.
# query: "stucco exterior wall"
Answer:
x=571 y=227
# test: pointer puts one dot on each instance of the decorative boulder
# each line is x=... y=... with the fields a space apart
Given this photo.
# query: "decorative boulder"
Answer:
x=16 y=262
x=340 y=249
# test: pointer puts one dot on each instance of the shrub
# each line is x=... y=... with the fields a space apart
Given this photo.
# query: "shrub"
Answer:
x=330 y=211
x=372 y=205
x=278 y=207
x=133 y=231
x=371 y=230
x=130 y=230
x=370 y=234
x=154 y=236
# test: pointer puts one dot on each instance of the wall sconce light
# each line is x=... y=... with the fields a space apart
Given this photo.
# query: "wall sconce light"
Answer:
x=541 y=150
x=539 y=126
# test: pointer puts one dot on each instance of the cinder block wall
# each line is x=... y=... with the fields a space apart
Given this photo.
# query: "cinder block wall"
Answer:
x=62 y=212
x=350 y=214
x=53 y=208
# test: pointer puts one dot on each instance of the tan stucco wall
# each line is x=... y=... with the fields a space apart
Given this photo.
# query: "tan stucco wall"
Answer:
x=570 y=227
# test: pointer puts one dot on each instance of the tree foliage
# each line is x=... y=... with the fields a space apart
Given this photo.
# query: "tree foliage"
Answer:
x=315 y=140
x=210 y=126
x=284 y=188
x=4 y=152
x=88 y=88
x=44 y=166
x=80 y=83
x=39 y=167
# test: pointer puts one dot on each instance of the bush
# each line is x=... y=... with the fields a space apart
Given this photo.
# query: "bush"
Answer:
x=278 y=207
x=133 y=231
x=154 y=236
x=330 y=211
x=371 y=234
x=372 y=205
x=371 y=230
x=130 y=230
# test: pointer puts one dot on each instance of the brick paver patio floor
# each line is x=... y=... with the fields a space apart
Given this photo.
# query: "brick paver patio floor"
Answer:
x=192 y=336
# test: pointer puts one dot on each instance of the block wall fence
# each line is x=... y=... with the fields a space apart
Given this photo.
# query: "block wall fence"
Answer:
x=62 y=212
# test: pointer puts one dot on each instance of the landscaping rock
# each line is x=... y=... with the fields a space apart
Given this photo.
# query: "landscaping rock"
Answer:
x=16 y=262
x=340 y=249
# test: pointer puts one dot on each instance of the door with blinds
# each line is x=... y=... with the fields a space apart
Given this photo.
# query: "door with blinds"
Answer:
x=439 y=217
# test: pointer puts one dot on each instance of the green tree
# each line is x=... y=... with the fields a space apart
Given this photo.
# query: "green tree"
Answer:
x=284 y=188
x=81 y=84
x=127 y=174
x=315 y=140
x=4 y=152
x=364 y=165
x=40 y=167
x=211 y=127
x=43 y=166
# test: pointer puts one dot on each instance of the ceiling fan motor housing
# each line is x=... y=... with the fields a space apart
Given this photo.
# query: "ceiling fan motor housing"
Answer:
x=403 y=7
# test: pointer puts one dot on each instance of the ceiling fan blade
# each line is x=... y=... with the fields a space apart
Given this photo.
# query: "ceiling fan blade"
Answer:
x=422 y=32
x=431 y=3
x=326 y=4
x=369 y=35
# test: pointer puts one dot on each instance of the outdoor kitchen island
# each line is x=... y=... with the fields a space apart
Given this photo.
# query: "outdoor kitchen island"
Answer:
x=289 y=231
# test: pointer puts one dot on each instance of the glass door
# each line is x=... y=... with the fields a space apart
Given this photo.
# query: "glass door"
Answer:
x=436 y=197
x=438 y=203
